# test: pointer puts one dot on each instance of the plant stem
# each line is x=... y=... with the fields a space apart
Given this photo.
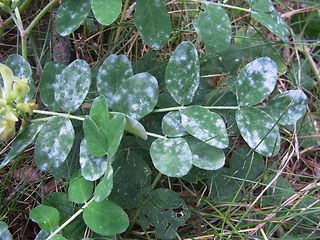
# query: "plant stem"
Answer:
x=66 y=115
x=223 y=5
x=207 y=107
x=121 y=20
x=313 y=65
x=155 y=135
x=70 y=219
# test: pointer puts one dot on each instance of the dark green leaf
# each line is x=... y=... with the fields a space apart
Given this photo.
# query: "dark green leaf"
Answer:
x=103 y=189
x=105 y=218
x=258 y=129
x=47 y=217
x=106 y=11
x=171 y=156
x=115 y=129
x=80 y=190
x=100 y=114
x=183 y=73
x=153 y=22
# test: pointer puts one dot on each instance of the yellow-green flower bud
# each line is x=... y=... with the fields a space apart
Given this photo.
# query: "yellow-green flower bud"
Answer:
x=20 y=89
x=27 y=107
x=7 y=130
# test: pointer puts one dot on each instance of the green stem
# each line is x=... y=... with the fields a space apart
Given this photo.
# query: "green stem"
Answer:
x=66 y=115
x=207 y=107
x=155 y=135
x=121 y=20
x=223 y=5
x=313 y=65
x=70 y=219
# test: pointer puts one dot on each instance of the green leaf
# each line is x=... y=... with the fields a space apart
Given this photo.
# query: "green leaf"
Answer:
x=115 y=129
x=106 y=11
x=132 y=179
x=183 y=73
x=71 y=14
x=80 y=189
x=153 y=22
x=214 y=28
x=47 y=217
x=24 y=139
x=49 y=79
x=258 y=129
x=58 y=237
x=137 y=96
x=172 y=126
x=54 y=143
x=96 y=143
x=100 y=114
x=166 y=211
x=171 y=156
x=73 y=85
x=133 y=126
x=205 y=156
x=103 y=189
x=105 y=218
x=288 y=106
x=114 y=71
x=256 y=81
x=205 y=125
x=92 y=168
x=264 y=13
x=4 y=232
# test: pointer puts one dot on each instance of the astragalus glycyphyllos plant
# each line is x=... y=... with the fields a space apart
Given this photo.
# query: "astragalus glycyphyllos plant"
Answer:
x=173 y=118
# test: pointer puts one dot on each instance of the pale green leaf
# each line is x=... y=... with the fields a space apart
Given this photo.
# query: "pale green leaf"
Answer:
x=106 y=11
x=205 y=125
x=73 y=85
x=256 y=81
x=153 y=22
x=183 y=73
x=80 y=189
x=4 y=232
x=171 y=156
x=103 y=189
x=258 y=129
x=137 y=96
x=214 y=28
x=47 y=217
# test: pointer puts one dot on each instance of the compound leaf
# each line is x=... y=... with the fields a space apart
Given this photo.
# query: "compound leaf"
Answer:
x=205 y=125
x=47 y=217
x=258 y=129
x=106 y=11
x=153 y=22
x=214 y=28
x=183 y=73
x=171 y=156
x=256 y=81
x=73 y=85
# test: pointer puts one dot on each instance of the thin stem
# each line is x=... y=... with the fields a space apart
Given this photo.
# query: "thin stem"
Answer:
x=223 y=5
x=59 y=114
x=156 y=180
x=207 y=107
x=121 y=20
x=155 y=135
x=70 y=219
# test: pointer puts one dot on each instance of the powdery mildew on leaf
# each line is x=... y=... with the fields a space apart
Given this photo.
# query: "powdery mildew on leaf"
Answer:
x=214 y=28
x=92 y=168
x=19 y=66
x=73 y=85
x=258 y=130
x=205 y=156
x=183 y=73
x=256 y=81
x=71 y=14
x=172 y=126
x=54 y=143
x=106 y=11
x=114 y=71
x=171 y=157
x=153 y=22
x=137 y=96
x=205 y=125
x=290 y=106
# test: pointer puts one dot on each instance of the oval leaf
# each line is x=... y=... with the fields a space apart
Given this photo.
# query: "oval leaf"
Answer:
x=49 y=79
x=105 y=218
x=106 y=11
x=4 y=232
x=171 y=157
x=99 y=113
x=96 y=142
x=183 y=73
x=80 y=190
x=47 y=217
x=112 y=73
x=166 y=211
x=92 y=168
x=73 y=85
x=172 y=126
x=288 y=106
x=153 y=22
x=214 y=28
x=205 y=125
x=105 y=186
x=137 y=96
x=256 y=81
x=115 y=129
x=258 y=129
x=71 y=14
x=205 y=156
x=54 y=143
